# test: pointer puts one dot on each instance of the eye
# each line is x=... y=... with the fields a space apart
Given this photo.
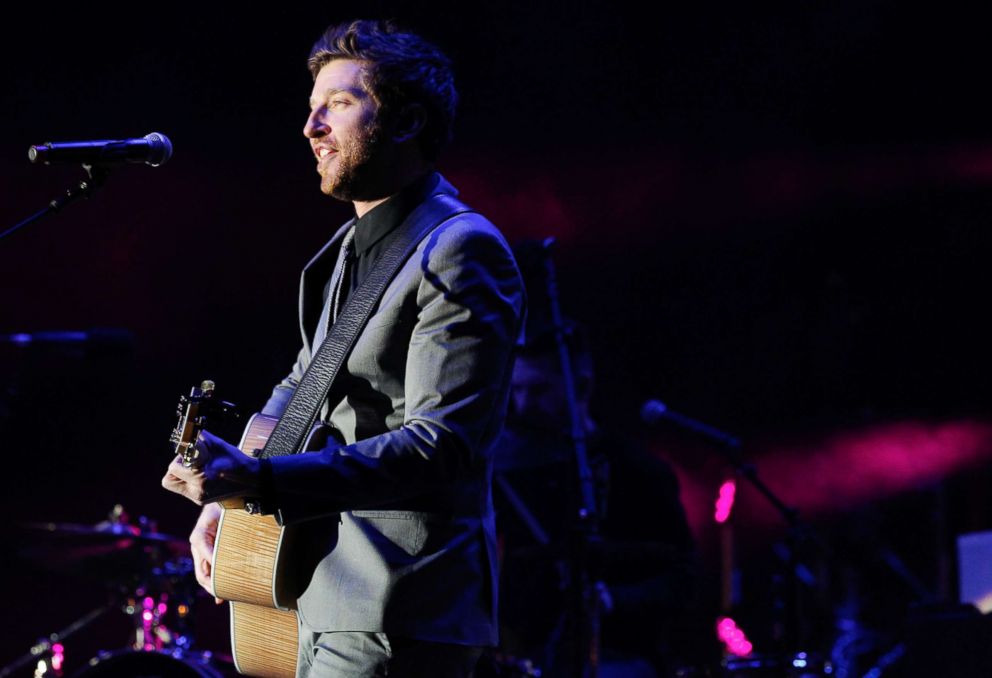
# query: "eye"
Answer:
x=339 y=103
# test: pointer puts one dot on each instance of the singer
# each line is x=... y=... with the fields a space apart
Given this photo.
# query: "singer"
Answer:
x=407 y=586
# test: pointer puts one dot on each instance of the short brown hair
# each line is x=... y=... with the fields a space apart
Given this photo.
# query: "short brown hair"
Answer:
x=400 y=68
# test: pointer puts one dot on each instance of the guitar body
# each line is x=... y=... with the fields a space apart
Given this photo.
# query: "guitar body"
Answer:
x=249 y=571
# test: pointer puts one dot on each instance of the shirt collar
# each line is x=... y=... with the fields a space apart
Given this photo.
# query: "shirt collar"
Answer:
x=378 y=222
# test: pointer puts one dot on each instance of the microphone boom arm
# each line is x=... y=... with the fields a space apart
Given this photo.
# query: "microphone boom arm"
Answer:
x=95 y=176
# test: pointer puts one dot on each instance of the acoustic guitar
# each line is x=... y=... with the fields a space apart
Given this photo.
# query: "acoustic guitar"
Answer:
x=251 y=550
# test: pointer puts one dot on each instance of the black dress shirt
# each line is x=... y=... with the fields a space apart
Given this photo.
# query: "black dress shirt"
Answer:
x=373 y=227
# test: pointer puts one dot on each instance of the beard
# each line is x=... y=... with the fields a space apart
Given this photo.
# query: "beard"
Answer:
x=353 y=176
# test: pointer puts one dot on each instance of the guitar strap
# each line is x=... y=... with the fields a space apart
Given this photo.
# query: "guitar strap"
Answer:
x=290 y=433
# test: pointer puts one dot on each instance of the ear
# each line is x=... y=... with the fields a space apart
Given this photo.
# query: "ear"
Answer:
x=409 y=121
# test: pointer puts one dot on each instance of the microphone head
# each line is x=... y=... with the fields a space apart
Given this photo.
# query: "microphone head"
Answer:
x=161 y=149
x=37 y=153
x=653 y=411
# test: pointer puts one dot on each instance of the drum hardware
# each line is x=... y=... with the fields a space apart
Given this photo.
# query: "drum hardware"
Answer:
x=159 y=664
x=797 y=665
x=47 y=653
x=151 y=579
x=116 y=530
x=160 y=609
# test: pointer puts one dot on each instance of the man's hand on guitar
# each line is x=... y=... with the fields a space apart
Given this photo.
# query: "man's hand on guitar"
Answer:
x=222 y=471
x=201 y=542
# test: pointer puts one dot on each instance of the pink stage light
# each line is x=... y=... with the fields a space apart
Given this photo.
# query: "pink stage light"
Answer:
x=732 y=637
x=851 y=468
x=725 y=501
x=58 y=656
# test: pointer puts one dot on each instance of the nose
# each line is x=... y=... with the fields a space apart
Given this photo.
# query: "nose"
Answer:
x=521 y=399
x=315 y=126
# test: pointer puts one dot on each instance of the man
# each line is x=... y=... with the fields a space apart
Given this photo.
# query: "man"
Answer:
x=644 y=563
x=403 y=581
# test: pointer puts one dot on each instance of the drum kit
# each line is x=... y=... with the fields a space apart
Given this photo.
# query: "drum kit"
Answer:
x=151 y=581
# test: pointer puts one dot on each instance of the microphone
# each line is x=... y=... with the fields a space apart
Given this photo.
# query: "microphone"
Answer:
x=152 y=149
x=654 y=411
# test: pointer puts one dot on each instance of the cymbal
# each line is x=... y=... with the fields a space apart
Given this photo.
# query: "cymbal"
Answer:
x=104 y=532
x=108 y=552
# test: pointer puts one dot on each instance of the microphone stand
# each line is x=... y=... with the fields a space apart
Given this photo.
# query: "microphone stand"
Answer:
x=582 y=644
x=798 y=532
x=96 y=175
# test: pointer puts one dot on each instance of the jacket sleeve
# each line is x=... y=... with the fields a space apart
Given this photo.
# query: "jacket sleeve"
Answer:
x=470 y=303
x=283 y=391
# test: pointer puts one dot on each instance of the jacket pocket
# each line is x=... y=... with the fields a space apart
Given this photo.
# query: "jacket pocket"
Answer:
x=406 y=530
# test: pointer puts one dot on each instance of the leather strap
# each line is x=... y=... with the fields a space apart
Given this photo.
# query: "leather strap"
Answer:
x=300 y=414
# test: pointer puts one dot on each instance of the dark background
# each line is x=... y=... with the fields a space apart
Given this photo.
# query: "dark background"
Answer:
x=773 y=218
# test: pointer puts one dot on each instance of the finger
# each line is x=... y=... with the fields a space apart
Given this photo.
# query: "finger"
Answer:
x=177 y=470
x=218 y=601
x=182 y=488
x=184 y=481
x=172 y=483
x=203 y=577
x=203 y=554
x=191 y=492
x=202 y=544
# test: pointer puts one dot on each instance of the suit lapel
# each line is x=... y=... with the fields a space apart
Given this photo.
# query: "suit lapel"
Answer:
x=315 y=276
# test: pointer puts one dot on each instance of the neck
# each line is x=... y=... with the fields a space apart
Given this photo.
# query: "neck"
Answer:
x=364 y=206
x=403 y=175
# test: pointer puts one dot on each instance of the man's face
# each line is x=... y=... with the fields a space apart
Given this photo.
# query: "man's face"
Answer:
x=344 y=131
x=537 y=391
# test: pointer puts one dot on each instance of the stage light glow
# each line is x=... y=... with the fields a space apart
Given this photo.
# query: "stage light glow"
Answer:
x=725 y=501
x=58 y=656
x=850 y=468
x=734 y=640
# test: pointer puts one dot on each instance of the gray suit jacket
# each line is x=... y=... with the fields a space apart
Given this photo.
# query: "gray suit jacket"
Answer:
x=420 y=403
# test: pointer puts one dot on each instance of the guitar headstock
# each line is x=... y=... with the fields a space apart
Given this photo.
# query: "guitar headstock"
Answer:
x=194 y=413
